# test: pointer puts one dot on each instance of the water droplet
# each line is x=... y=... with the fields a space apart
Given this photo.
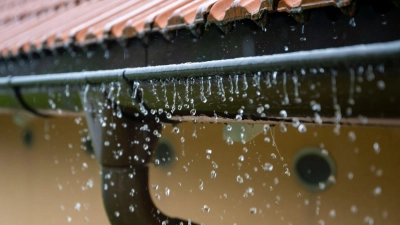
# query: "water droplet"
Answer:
x=77 y=206
x=286 y=48
x=268 y=167
x=295 y=122
x=193 y=112
x=168 y=115
x=377 y=191
x=229 y=141
x=353 y=209
x=381 y=85
x=321 y=185
x=239 y=179
x=213 y=174
x=238 y=117
x=283 y=113
x=352 y=136
x=209 y=151
x=332 y=213
x=379 y=172
x=241 y=158
x=282 y=128
x=273 y=155
x=167 y=191
x=253 y=210
x=131 y=208
x=369 y=220
x=116 y=213
x=245 y=150
x=214 y=164
x=260 y=109
x=352 y=22
x=377 y=148
x=287 y=172
x=350 y=175
x=302 y=128
x=205 y=208
x=145 y=147
x=267 y=139
x=175 y=130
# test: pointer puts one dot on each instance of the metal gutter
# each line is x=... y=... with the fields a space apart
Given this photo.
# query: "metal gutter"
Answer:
x=344 y=56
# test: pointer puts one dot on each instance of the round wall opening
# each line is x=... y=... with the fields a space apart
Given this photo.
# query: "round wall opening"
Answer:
x=164 y=154
x=314 y=170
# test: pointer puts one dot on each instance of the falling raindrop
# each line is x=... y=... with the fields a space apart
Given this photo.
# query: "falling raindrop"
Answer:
x=205 y=208
x=213 y=174
x=352 y=22
x=381 y=85
x=239 y=179
x=377 y=148
x=229 y=141
x=377 y=191
x=268 y=167
x=332 y=213
x=321 y=185
x=175 y=130
x=260 y=109
x=350 y=175
x=167 y=191
x=282 y=128
x=353 y=209
x=352 y=136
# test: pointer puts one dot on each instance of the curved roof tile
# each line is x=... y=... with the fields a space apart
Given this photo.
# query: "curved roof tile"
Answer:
x=47 y=25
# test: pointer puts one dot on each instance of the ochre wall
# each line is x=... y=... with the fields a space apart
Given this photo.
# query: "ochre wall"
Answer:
x=32 y=176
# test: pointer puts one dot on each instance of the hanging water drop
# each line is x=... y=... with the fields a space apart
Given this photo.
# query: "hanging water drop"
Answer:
x=283 y=113
x=282 y=128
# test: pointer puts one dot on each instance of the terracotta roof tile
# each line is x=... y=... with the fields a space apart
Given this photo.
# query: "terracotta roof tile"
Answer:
x=229 y=10
x=22 y=9
x=296 y=6
x=47 y=25
x=186 y=15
